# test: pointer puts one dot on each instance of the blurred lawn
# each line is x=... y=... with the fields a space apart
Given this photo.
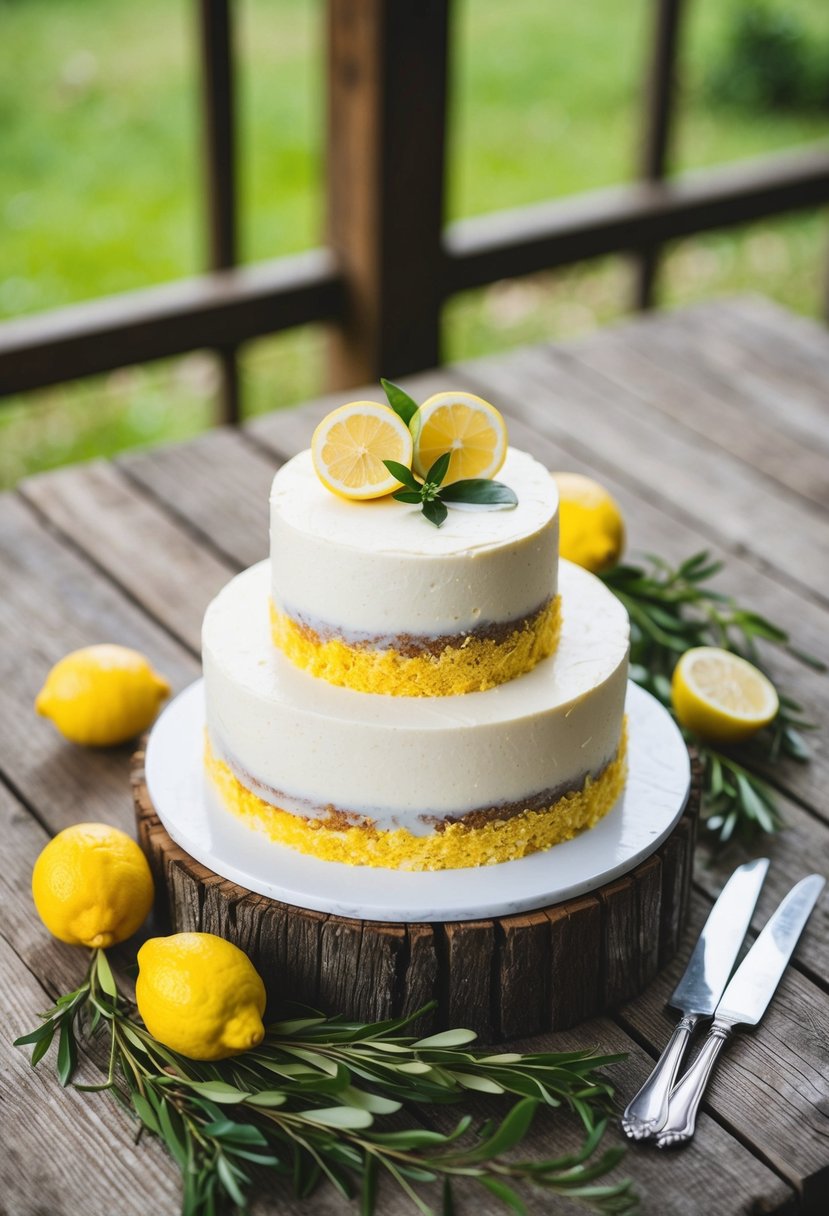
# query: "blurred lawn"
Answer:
x=100 y=189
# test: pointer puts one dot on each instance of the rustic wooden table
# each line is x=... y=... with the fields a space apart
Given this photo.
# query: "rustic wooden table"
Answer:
x=711 y=426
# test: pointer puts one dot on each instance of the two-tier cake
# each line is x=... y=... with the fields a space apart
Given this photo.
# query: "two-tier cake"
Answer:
x=384 y=692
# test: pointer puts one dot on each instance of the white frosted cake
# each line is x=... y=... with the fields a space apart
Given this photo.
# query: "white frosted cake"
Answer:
x=383 y=692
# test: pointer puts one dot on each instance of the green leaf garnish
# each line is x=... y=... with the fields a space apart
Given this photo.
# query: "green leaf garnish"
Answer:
x=403 y=474
x=399 y=400
x=435 y=511
x=433 y=495
x=294 y=1106
x=480 y=490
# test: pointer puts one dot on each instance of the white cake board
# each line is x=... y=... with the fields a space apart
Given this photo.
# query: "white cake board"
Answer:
x=659 y=778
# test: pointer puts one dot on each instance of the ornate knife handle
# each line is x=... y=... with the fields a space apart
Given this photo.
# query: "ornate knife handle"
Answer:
x=646 y=1113
x=687 y=1095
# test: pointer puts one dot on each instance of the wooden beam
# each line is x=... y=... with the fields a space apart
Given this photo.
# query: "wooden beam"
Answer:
x=207 y=311
x=218 y=97
x=658 y=120
x=386 y=122
x=631 y=218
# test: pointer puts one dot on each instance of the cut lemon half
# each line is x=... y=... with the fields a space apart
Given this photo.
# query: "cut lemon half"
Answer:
x=350 y=444
x=468 y=427
x=720 y=696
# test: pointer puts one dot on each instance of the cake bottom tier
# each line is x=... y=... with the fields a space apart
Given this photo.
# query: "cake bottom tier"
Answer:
x=504 y=835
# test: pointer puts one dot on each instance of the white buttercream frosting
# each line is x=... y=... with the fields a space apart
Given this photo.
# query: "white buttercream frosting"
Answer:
x=395 y=758
x=380 y=568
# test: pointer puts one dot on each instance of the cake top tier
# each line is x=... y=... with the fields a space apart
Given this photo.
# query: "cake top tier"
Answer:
x=375 y=571
x=384 y=525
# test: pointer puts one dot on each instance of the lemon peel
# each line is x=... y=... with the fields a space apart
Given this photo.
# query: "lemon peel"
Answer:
x=465 y=425
x=102 y=695
x=92 y=885
x=350 y=444
x=200 y=995
x=721 y=696
x=591 y=526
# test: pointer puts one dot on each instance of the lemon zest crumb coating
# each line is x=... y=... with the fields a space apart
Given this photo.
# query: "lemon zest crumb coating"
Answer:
x=457 y=846
x=475 y=664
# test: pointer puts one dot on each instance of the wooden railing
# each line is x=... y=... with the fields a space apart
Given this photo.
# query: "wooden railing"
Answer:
x=390 y=263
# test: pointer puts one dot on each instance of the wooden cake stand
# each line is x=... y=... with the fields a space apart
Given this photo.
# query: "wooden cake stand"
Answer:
x=504 y=977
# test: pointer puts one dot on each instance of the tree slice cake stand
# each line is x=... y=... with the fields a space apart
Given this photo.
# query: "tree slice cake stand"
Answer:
x=507 y=950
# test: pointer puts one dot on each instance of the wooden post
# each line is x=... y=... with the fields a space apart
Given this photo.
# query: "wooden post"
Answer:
x=216 y=44
x=385 y=174
x=659 y=99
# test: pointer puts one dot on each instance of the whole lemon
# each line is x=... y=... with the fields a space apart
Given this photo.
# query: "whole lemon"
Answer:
x=200 y=995
x=592 y=530
x=102 y=695
x=92 y=885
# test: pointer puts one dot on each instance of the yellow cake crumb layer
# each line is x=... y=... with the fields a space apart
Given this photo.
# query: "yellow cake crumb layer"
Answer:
x=473 y=665
x=457 y=846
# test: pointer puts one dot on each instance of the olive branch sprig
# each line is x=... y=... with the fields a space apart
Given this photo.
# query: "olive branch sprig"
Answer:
x=673 y=608
x=306 y=1103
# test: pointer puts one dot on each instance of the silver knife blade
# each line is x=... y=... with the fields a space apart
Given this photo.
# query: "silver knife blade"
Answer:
x=716 y=951
x=756 y=979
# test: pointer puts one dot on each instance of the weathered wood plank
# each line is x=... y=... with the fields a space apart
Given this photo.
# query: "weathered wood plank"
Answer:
x=691 y=477
x=152 y=557
x=218 y=484
x=770 y=1087
x=53 y=601
x=670 y=367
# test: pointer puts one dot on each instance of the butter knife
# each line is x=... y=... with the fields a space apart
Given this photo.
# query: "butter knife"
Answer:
x=697 y=993
x=743 y=1003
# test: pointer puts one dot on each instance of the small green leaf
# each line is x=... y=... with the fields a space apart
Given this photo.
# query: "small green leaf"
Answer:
x=35 y=1036
x=439 y=469
x=267 y=1097
x=219 y=1091
x=403 y=474
x=67 y=1051
x=512 y=1129
x=105 y=976
x=484 y=1085
x=145 y=1112
x=435 y=512
x=408 y=496
x=480 y=490
x=229 y=1181
x=368 y=1199
x=42 y=1047
x=339 y=1116
x=506 y=1194
x=400 y=401
x=447 y=1038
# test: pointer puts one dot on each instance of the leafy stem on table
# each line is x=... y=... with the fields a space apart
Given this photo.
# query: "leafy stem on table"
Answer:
x=306 y=1104
x=674 y=608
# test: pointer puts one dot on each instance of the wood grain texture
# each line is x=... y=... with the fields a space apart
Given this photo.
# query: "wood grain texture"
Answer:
x=502 y=977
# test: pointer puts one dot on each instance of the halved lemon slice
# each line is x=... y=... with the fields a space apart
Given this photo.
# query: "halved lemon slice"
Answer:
x=721 y=696
x=468 y=427
x=350 y=444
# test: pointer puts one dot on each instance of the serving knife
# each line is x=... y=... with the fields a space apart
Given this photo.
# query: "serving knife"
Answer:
x=697 y=993
x=743 y=1003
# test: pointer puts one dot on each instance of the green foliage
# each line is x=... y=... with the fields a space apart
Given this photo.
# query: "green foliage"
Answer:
x=673 y=609
x=306 y=1103
x=771 y=60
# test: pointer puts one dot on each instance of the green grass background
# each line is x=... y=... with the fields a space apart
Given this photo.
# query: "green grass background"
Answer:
x=100 y=187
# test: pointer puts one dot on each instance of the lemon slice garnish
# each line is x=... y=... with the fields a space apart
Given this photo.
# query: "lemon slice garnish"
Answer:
x=468 y=427
x=720 y=696
x=350 y=444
